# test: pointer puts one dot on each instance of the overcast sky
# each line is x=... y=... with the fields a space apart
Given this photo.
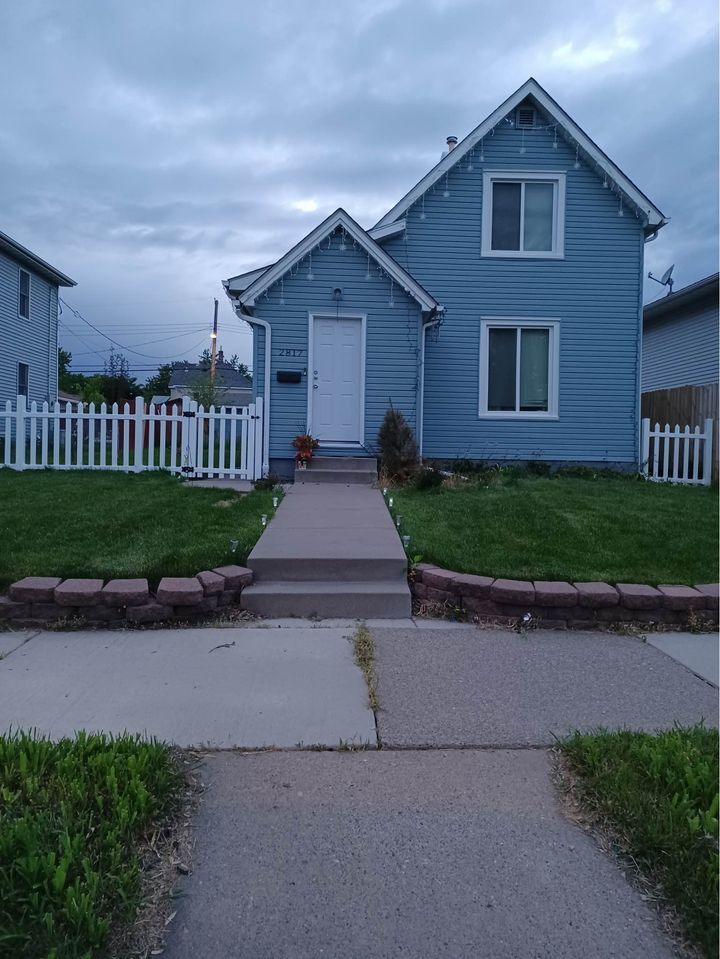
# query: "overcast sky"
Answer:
x=150 y=150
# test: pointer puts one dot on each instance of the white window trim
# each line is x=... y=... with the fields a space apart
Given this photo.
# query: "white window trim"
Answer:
x=519 y=176
x=492 y=322
x=21 y=270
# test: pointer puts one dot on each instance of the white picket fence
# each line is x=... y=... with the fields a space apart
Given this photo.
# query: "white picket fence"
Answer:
x=677 y=455
x=223 y=442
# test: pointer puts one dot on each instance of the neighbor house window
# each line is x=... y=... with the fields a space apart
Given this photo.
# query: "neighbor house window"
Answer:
x=23 y=379
x=24 y=295
x=519 y=367
x=523 y=214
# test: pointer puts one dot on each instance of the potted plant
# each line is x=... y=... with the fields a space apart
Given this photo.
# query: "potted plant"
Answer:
x=304 y=443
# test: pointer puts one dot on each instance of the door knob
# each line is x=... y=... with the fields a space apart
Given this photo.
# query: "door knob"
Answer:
x=315 y=386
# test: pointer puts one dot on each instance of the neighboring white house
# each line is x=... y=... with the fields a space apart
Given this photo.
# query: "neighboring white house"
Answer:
x=28 y=324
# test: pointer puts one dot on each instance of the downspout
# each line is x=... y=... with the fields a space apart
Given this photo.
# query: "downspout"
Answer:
x=434 y=321
x=256 y=321
x=638 y=396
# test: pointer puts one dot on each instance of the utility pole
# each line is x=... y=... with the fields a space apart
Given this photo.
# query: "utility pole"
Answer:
x=213 y=355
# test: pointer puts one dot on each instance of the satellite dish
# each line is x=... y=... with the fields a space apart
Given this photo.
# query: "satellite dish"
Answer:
x=666 y=279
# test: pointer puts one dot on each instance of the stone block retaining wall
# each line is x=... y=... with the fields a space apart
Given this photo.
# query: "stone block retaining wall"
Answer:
x=42 y=600
x=565 y=605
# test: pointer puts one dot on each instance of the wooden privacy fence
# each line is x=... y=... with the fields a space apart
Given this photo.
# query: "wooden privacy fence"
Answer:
x=685 y=404
x=677 y=456
x=224 y=442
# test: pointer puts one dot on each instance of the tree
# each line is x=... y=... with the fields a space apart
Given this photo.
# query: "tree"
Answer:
x=159 y=383
x=117 y=384
x=398 y=449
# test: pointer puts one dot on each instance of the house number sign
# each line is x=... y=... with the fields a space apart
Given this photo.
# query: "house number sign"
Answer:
x=292 y=352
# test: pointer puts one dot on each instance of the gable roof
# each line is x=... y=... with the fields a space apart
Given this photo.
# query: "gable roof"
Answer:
x=226 y=376
x=339 y=218
x=531 y=88
x=21 y=253
x=704 y=289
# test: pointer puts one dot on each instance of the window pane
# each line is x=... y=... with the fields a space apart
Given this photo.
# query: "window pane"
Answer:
x=24 y=300
x=23 y=370
x=501 y=369
x=538 y=225
x=506 y=216
x=534 y=352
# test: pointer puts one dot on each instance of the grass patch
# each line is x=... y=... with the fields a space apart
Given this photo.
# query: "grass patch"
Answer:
x=72 y=815
x=658 y=794
x=365 y=658
x=612 y=529
x=106 y=525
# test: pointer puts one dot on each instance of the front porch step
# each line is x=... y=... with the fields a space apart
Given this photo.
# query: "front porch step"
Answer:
x=347 y=470
x=329 y=600
x=313 y=568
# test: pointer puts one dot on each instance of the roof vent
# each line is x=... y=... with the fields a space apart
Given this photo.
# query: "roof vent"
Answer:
x=451 y=143
x=526 y=117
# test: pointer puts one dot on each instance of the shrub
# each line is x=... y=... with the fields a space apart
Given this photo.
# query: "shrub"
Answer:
x=397 y=447
x=428 y=478
x=538 y=468
x=268 y=482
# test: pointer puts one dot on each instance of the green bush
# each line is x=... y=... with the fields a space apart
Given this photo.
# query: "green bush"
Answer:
x=428 y=478
x=661 y=794
x=397 y=446
x=71 y=814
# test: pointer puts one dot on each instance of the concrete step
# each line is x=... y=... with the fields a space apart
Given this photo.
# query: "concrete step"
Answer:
x=314 y=568
x=366 y=464
x=345 y=477
x=351 y=600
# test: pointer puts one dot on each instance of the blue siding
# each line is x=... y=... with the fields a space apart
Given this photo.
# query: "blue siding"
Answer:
x=595 y=292
x=32 y=341
x=681 y=349
x=392 y=344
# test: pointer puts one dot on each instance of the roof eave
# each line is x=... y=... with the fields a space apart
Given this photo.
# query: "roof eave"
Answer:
x=32 y=260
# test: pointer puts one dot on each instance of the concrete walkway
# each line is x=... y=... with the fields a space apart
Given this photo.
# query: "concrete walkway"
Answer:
x=330 y=550
x=441 y=855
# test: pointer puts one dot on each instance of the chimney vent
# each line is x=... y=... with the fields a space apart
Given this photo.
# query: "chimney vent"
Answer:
x=451 y=143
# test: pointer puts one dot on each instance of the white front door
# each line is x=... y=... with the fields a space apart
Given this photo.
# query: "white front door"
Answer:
x=336 y=379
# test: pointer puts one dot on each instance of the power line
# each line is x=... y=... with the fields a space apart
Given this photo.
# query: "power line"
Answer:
x=162 y=339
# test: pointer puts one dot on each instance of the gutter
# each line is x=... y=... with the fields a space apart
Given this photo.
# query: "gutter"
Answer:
x=255 y=321
x=434 y=320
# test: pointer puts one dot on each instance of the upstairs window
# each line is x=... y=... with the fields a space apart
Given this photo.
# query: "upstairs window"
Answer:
x=23 y=379
x=519 y=368
x=24 y=295
x=523 y=215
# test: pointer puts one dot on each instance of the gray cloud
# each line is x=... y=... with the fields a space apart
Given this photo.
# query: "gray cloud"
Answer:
x=154 y=149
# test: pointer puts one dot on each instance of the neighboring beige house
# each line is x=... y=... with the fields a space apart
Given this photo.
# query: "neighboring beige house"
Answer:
x=234 y=389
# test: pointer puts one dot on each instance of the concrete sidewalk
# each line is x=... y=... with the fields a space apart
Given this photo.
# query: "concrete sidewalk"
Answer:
x=268 y=687
x=697 y=651
x=487 y=687
x=439 y=855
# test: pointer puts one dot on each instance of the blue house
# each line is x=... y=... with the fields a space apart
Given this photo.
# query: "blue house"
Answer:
x=498 y=304
x=680 y=338
x=28 y=324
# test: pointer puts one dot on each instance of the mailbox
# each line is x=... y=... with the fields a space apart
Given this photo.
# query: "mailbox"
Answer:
x=289 y=376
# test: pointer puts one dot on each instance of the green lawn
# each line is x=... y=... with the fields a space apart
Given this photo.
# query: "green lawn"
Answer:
x=71 y=816
x=527 y=527
x=659 y=795
x=102 y=524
